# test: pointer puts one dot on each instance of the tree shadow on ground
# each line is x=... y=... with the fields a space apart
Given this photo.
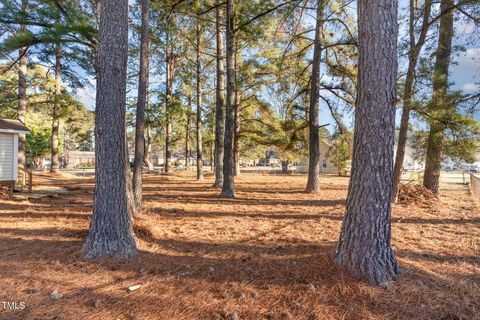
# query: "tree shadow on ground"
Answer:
x=224 y=270
x=180 y=213
x=213 y=199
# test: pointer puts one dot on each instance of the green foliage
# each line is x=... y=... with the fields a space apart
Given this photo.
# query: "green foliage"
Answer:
x=37 y=143
x=48 y=21
x=460 y=139
x=78 y=121
x=340 y=154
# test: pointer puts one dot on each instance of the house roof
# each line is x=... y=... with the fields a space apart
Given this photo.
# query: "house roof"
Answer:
x=13 y=126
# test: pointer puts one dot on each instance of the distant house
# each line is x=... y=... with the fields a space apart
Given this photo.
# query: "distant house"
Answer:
x=75 y=159
x=9 y=131
x=326 y=165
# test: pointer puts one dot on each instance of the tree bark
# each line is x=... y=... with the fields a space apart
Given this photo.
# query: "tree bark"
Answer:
x=415 y=48
x=111 y=232
x=22 y=103
x=364 y=246
x=228 y=188
x=140 y=112
x=199 y=104
x=187 y=131
x=54 y=165
x=439 y=103
x=148 y=148
x=22 y=95
x=236 y=114
x=220 y=104
x=148 y=140
x=168 y=91
x=313 y=181
x=285 y=164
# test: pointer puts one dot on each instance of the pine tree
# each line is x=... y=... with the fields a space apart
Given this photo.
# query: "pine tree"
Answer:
x=220 y=102
x=440 y=99
x=408 y=93
x=313 y=182
x=198 y=90
x=228 y=189
x=141 y=104
x=364 y=246
x=111 y=232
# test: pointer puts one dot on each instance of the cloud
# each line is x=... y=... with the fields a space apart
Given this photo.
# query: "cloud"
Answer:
x=466 y=71
x=473 y=53
x=470 y=87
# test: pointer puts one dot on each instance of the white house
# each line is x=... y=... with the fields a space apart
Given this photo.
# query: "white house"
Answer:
x=9 y=131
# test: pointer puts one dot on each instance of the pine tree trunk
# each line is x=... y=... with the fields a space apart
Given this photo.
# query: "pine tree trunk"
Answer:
x=212 y=153
x=439 y=104
x=313 y=182
x=111 y=232
x=236 y=114
x=54 y=165
x=408 y=92
x=148 y=149
x=187 y=131
x=22 y=94
x=236 y=142
x=228 y=188
x=220 y=104
x=147 y=159
x=285 y=164
x=22 y=103
x=168 y=142
x=168 y=92
x=364 y=246
x=199 y=106
x=140 y=112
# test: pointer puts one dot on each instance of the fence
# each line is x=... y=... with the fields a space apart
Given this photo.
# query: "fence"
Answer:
x=475 y=187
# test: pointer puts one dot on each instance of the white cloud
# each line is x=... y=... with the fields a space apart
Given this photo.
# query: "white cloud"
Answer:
x=470 y=87
x=466 y=71
x=473 y=53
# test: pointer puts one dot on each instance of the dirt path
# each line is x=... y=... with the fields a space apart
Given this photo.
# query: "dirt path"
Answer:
x=265 y=255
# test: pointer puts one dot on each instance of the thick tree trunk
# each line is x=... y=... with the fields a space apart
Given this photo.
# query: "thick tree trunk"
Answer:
x=364 y=245
x=111 y=232
x=228 y=188
x=54 y=165
x=415 y=48
x=313 y=182
x=220 y=104
x=199 y=106
x=140 y=113
x=22 y=95
x=439 y=104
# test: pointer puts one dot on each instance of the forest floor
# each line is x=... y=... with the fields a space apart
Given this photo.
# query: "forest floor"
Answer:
x=264 y=255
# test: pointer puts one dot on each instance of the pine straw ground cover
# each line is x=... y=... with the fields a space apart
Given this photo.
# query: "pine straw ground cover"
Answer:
x=265 y=255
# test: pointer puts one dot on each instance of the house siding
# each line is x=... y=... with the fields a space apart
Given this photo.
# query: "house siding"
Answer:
x=7 y=157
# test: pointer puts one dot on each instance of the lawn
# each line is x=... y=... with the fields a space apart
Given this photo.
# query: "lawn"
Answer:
x=264 y=255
